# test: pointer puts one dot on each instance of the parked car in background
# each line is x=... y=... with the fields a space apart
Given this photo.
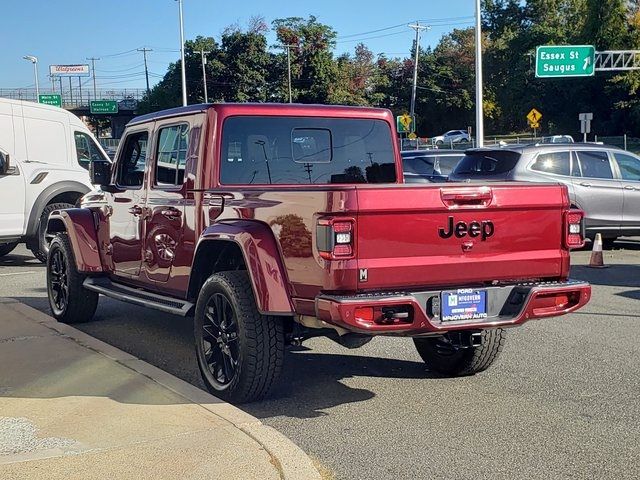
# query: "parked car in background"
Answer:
x=452 y=136
x=557 y=139
x=45 y=153
x=429 y=166
x=603 y=181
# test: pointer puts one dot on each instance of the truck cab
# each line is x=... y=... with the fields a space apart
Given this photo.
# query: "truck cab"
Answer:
x=271 y=224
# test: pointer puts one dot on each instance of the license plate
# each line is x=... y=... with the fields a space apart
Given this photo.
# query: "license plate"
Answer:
x=464 y=304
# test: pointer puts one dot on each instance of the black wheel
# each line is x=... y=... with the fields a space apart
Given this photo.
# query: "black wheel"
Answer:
x=608 y=243
x=240 y=352
x=70 y=302
x=7 y=248
x=442 y=357
x=39 y=246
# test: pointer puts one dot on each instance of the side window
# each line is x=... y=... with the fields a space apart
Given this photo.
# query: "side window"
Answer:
x=86 y=150
x=173 y=145
x=557 y=163
x=594 y=164
x=629 y=166
x=131 y=162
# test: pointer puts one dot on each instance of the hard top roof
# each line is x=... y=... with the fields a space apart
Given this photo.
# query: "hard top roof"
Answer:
x=264 y=109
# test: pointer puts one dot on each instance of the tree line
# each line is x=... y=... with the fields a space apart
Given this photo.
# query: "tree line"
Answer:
x=242 y=67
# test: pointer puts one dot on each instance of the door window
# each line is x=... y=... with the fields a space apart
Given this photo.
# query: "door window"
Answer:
x=556 y=163
x=173 y=145
x=131 y=162
x=629 y=166
x=86 y=150
x=594 y=164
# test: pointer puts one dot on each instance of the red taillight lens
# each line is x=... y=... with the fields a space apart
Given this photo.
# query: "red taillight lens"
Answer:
x=573 y=230
x=334 y=238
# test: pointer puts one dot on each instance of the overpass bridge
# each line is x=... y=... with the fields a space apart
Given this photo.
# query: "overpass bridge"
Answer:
x=77 y=101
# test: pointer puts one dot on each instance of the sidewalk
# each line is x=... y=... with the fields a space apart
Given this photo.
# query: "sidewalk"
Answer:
x=74 y=407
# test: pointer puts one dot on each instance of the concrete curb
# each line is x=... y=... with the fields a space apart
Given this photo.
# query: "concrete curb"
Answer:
x=290 y=459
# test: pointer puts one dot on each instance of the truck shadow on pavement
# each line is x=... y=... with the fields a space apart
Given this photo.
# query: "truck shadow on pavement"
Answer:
x=312 y=380
x=20 y=261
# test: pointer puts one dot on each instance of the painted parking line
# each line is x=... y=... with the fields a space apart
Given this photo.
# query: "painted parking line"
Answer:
x=17 y=273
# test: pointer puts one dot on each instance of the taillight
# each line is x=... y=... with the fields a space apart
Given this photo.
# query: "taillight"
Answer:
x=335 y=238
x=573 y=229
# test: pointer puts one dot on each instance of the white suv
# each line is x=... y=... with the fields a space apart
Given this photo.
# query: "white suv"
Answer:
x=45 y=154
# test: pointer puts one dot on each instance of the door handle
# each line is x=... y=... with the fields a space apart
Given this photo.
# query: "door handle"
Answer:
x=585 y=184
x=629 y=187
x=171 y=213
x=135 y=210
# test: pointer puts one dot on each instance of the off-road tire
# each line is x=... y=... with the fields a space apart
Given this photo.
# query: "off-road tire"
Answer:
x=451 y=361
x=81 y=303
x=39 y=245
x=260 y=347
x=7 y=248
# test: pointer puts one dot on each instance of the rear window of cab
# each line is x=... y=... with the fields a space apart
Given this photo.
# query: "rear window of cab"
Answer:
x=306 y=150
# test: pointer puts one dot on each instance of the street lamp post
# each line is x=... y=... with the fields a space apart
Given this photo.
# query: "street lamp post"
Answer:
x=184 y=75
x=479 y=96
x=34 y=60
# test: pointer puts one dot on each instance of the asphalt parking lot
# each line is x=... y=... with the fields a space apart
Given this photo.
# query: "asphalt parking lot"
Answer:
x=561 y=402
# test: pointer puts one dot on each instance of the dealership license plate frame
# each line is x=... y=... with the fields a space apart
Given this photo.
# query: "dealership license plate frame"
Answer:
x=465 y=299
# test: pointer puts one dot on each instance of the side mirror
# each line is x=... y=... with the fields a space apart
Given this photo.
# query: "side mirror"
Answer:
x=4 y=163
x=100 y=172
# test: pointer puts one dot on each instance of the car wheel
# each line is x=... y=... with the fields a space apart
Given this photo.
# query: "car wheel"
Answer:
x=608 y=243
x=7 y=248
x=240 y=352
x=443 y=357
x=70 y=302
x=40 y=245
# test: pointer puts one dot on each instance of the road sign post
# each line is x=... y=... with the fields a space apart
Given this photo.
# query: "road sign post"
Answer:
x=50 y=99
x=103 y=107
x=565 y=61
x=585 y=124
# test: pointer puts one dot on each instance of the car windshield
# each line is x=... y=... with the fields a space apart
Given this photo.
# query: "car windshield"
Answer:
x=487 y=163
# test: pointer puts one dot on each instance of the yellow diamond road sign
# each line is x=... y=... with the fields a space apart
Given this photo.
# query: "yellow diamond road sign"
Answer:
x=412 y=136
x=534 y=116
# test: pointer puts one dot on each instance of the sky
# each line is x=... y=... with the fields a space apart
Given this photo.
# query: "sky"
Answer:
x=70 y=31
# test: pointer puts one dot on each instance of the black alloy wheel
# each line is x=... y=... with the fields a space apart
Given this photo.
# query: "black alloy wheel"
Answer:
x=58 y=282
x=220 y=339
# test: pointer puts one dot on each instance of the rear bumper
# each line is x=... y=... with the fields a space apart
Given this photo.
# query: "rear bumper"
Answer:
x=417 y=313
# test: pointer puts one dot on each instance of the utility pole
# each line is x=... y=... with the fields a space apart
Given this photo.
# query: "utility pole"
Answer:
x=184 y=74
x=203 y=57
x=144 y=51
x=418 y=28
x=93 y=71
x=479 y=96
x=289 y=47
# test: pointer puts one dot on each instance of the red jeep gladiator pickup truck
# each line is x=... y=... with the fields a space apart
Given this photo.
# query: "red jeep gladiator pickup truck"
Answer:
x=270 y=224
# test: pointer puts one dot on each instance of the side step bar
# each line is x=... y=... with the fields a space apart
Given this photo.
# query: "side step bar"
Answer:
x=138 y=296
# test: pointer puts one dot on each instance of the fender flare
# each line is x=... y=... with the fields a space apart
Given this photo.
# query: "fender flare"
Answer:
x=45 y=197
x=79 y=224
x=262 y=258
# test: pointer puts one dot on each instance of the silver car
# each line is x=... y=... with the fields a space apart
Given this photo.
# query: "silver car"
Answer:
x=603 y=181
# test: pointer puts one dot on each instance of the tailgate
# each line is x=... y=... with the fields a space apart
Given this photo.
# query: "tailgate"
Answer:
x=409 y=236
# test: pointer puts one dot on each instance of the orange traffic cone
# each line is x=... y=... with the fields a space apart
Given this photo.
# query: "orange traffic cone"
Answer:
x=597 y=260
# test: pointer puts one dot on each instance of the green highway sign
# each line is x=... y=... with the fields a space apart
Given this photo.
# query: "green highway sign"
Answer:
x=103 y=106
x=50 y=99
x=565 y=61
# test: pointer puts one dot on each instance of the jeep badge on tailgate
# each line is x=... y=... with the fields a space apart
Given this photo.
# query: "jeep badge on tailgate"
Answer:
x=484 y=229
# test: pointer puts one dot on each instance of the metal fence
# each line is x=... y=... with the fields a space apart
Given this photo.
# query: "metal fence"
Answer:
x=76 y=97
